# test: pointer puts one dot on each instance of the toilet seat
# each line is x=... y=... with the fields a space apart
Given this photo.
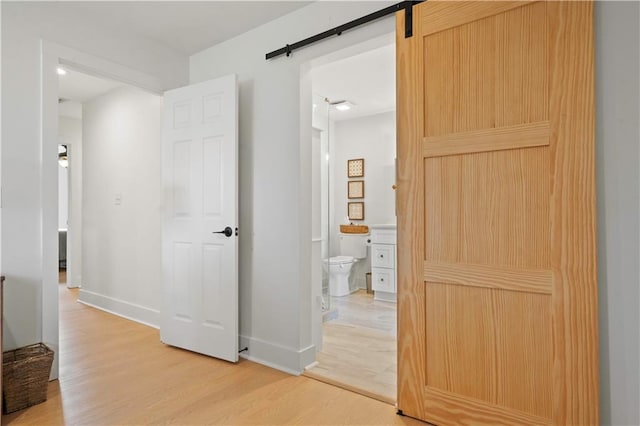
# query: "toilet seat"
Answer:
x=340 y=260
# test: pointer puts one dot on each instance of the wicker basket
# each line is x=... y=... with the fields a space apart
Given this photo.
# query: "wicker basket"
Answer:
x=25 y=375
x=354 y=229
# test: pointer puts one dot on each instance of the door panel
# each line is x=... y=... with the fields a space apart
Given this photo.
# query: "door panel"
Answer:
x=200 y=265
x=489 y=208
x=496 y=240
x=487 y=335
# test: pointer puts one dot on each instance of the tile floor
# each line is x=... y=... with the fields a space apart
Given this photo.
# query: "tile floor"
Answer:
x=360 y=346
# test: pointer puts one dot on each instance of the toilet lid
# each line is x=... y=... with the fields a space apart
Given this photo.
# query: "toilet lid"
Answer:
x=340 y=259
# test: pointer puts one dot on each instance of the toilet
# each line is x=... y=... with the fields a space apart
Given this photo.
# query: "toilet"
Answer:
x=353 y=247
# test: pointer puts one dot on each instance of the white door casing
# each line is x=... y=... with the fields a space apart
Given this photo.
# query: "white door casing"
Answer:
x=200 y=185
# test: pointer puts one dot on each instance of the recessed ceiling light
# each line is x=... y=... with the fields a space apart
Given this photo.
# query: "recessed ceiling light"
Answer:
x=61 y=71
x=342 y=105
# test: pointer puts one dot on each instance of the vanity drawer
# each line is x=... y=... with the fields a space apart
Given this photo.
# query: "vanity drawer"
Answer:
x=383 y=280
x=383 y=236
x=382 y=256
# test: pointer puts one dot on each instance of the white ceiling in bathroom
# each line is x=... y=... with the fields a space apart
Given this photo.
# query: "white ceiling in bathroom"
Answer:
x=367 y=80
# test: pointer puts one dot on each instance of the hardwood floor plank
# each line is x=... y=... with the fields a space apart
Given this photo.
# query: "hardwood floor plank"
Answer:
x=117 y=372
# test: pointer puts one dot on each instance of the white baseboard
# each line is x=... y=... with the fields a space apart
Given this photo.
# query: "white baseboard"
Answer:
x=310 y=366
x=121 y=308
x=385 y=297
x=275 y=356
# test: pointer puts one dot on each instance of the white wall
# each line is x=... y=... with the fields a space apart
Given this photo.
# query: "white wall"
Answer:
x=617 y=145
x=316 y=236
x=24 y=24
x=275 y=163
x=122 y=202
x=374 y=139
x=70 y=133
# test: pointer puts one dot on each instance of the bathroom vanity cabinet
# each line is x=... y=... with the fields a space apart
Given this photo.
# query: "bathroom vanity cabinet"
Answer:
x=383 y=262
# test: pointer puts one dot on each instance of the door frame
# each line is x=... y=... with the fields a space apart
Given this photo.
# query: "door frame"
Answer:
x=51 y=56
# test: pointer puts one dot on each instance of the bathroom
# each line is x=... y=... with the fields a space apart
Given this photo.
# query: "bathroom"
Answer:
x=353 y=200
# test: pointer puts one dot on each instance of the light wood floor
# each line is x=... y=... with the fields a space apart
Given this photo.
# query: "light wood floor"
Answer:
x=360 y=347
x=116 y=372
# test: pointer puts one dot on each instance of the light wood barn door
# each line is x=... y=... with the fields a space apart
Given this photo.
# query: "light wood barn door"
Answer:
x=496 y=214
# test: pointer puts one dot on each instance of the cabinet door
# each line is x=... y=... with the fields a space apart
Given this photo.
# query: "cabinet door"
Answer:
x=383 y=280
x=382 y=256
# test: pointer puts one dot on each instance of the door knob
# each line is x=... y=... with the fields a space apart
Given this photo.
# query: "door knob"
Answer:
x=226 y=231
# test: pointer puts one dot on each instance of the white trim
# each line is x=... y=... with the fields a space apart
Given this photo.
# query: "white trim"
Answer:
x=49 y=201
x=384 y=296
x=310 y=366
x=52 y=54
x=131 y=311
x=99 y=67
x=281 y=358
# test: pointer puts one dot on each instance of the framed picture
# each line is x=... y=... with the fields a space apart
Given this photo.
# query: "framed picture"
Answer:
x=355 y=168
x=356 y=210
x=355 y=189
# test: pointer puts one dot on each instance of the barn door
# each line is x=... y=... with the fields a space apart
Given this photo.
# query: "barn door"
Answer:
x=496 y=200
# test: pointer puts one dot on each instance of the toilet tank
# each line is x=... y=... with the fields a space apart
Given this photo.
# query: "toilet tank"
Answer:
x=354 y=245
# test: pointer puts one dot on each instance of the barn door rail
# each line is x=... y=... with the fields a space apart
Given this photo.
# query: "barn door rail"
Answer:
x=407 y=6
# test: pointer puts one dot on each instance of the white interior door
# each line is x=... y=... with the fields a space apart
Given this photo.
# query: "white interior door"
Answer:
x=200 y=259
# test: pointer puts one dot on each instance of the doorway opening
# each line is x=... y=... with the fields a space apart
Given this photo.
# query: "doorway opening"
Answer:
x=109 y=211
x=354 y=221
x=62 y=115
x=64 y=196
x=75 y=88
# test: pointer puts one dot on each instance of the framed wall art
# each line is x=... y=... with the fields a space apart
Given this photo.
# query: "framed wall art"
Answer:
x=355 y=189
x=356 y=210
x=355 y=168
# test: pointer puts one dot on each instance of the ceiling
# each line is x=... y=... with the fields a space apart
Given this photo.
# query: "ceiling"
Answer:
x=367 y=80
x=80 y=87
x=75 y=87
x=186 y=26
